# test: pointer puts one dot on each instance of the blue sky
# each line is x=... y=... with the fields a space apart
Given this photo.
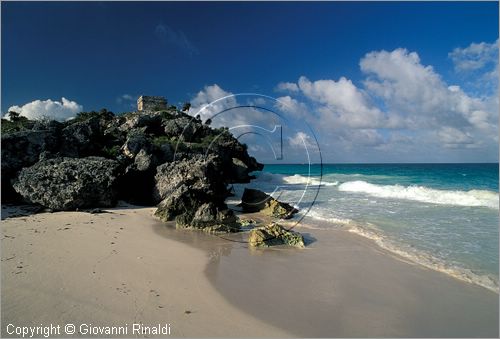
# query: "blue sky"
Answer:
x=354 y=71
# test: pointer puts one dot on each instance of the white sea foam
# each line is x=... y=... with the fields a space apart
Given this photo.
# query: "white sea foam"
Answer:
x=424 y=194
x=307 y=180
x=427 y=260
x=269 y=177
x=316 y=214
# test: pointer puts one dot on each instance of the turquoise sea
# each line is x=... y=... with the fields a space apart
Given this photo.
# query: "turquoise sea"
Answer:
x=443 y=216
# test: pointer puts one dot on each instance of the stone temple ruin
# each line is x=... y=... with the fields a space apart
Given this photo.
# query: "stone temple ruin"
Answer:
x=151 y=103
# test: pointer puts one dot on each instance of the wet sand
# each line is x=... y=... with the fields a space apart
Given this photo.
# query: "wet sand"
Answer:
x=344 y=285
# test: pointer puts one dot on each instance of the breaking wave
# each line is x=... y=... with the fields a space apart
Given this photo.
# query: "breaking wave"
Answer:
x=299 y=179
x=424 y=194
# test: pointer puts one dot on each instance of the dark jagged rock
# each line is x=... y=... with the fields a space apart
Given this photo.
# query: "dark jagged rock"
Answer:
x=82 y=138
x=198 y=173
x=144 y=161
x=69 y=183
x=136 y=141
x=23 y=149
x=254 y=200
x=192 y=192
x=182 y=126
x=150 y=122
x=274 y=234
x=47 y=125
x=240 y=171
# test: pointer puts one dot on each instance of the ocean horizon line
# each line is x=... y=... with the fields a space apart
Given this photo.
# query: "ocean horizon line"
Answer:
x=387 y=163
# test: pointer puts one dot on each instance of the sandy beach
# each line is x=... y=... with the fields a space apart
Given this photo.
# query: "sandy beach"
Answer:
x=124 y=267
x=112 y=269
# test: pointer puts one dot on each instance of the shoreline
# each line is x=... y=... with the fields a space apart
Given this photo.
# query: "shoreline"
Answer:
x=341 y=284
x=426 y=260
x=308 y=303
x=406 y=254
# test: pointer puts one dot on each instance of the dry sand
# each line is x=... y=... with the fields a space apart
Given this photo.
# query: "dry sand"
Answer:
x=124 y=267
x=111 y=269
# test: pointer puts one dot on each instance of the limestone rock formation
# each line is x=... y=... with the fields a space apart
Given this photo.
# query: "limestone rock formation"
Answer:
x=254 y=200
x=192 y=193
x=274 y=234
x=163 y=157
x=22 y=149
x=69 y=183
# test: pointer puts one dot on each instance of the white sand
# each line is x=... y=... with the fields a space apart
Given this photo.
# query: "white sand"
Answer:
x=111 y=269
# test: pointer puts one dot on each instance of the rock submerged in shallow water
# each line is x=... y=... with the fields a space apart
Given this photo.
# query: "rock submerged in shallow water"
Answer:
x=254 y=200
x=69 y=183
x=274 y=234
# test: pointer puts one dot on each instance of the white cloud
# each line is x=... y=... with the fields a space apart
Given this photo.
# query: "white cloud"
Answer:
x=287 y=87
x=403 y=82
x=418 y=93
x=475 y=56
x=453 y=138
x=290 y=105
x=403 y=108
x=343 y=102
x=210 y=101
x=301 y=140
x=58 y=110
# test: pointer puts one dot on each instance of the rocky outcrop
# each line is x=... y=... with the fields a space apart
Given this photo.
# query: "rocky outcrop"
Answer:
x=69 y=183
x=254 y=200
x=192 y=192
x=199 y=173
x=22 y=149
x=82 y=138
x=274 y=234
x=163 y=157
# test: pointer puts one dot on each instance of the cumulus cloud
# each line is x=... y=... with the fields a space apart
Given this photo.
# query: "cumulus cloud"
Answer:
x=344 y=101
x=168 y=35
x=404 y=83
x=416 y=91
x=475 y=56
x=210 y=101
x=287 y=87
x=58 y=110
x=402 y=106
x=301 y=140
x=227 y=109
x=452 y=137
x=291 y=106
